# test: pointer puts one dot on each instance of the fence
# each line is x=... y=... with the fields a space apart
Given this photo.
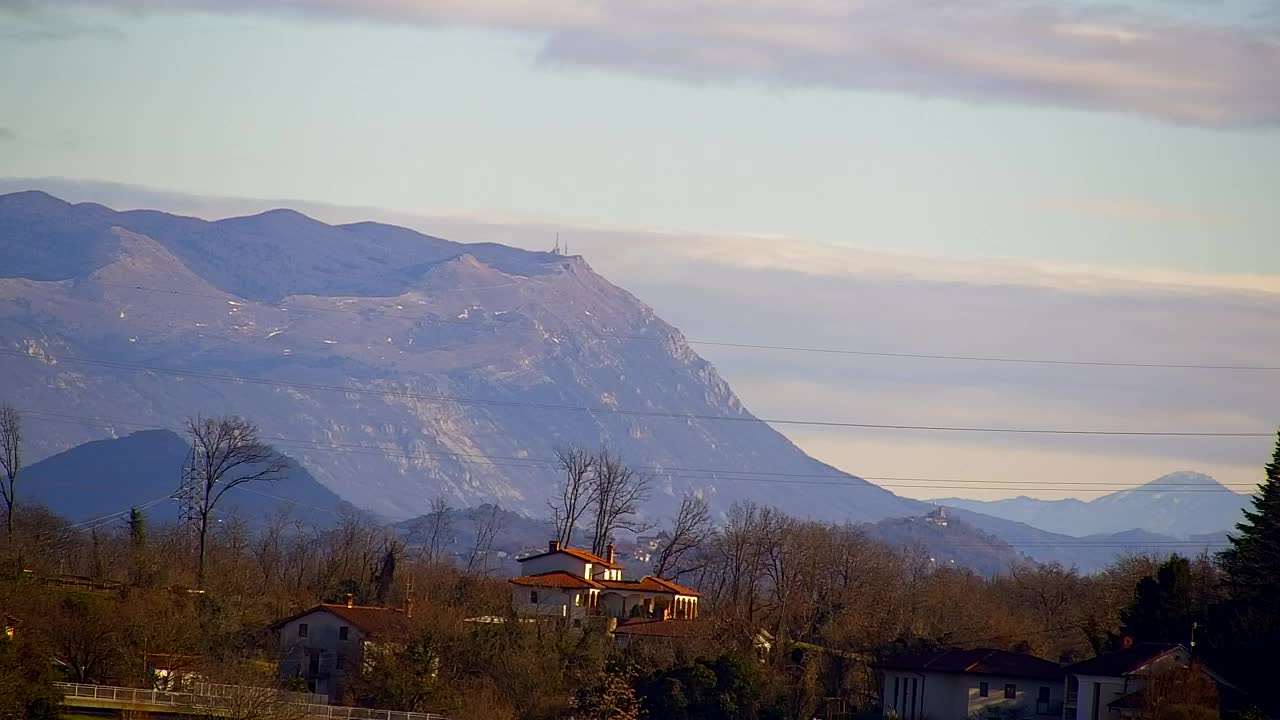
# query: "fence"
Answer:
x=222 y=696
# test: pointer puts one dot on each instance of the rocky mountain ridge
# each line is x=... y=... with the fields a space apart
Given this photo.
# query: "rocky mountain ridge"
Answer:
x=394 y=365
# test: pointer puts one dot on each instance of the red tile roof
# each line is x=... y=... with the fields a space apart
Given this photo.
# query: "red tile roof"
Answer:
x=582 y=555
x=648 y=584
x=655 y=628
x=977 y=662
x=370 y=620
x=555 y=579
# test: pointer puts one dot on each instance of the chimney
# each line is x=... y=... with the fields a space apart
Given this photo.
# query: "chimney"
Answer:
x=609 y=553
x=553 y=546
x=351 y=600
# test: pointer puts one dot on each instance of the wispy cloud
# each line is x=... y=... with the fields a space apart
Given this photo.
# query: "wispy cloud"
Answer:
x=1103 y=57
x=1138 y=211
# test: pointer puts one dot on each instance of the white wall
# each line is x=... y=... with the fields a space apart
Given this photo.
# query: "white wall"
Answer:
x=554 y=602
x=954 y=696
x=1108 y=689
x=322 y=638
x=555 y=562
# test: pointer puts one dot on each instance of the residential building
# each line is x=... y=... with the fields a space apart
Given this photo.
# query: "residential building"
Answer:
x=959 y=684
x=328 y=643
x=1109 y=687
x=575 y=584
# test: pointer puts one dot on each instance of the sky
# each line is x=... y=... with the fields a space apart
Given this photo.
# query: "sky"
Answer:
x=1034 y=178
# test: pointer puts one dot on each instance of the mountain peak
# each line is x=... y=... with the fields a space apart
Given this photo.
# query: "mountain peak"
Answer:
x=32 y=200
x=1184 y=478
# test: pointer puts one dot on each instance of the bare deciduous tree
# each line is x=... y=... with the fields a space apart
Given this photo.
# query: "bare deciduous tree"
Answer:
x=691 y=529
x=617 y=492
x=10 y=460
x=567 y=510
x=228 y=454
x=433 y=529
x=487 y=523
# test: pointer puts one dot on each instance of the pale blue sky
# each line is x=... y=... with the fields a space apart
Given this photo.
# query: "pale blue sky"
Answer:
x=1126 y=136
x=486 y=122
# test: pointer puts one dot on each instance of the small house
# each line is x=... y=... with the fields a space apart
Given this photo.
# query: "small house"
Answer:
x=327 y=644
x=970 y=684
x=1110 y=686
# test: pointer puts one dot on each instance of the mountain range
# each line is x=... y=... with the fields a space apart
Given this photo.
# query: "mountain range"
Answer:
x=396 y=367
x=1181 y=504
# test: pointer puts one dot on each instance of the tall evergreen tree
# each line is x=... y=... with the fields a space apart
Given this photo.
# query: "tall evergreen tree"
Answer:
x=1245 y=629
x=1251 y=565
x=1163 y=606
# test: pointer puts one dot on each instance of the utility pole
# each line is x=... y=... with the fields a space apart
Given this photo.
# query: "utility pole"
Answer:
x=1194 y=627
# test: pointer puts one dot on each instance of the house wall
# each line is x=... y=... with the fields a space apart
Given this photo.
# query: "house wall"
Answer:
x=552 y=563
x=1025 y=701
x=952 y=696
x=336 y=659
x=554 y=602
x=1106 y=690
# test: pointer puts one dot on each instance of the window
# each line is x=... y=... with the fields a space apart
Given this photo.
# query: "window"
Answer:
x=342 y=660
x=577 y=599
x=343 y=632
x=586 y=573
x=533 y=597
x=302 y=630
x=984 y=689
x=1043 y=706
x=1010 y=692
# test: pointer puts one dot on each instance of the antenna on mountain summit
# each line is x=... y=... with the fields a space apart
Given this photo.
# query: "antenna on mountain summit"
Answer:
x=556 y=250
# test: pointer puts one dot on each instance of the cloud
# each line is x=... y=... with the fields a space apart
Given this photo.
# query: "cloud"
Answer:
x=1103 y=57
x=1139 y=211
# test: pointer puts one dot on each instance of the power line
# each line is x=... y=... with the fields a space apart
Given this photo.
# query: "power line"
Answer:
x=550 y=465
x=737 y=345
x=655 y=414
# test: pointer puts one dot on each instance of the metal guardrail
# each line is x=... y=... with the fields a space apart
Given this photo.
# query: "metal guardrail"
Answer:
x=222 y=697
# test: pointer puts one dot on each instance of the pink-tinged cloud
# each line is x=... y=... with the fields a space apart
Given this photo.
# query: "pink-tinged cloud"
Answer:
x=1021 y=51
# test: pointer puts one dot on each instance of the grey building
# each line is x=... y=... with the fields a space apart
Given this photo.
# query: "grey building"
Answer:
x=326 y=645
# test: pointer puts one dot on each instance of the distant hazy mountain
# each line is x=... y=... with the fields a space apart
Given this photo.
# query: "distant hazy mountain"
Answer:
x=1161 y=506
x=468 y=363
x=955 y=544
x=109 y=476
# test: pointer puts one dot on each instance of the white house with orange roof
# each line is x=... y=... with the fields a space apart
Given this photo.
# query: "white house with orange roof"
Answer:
x=575 y=584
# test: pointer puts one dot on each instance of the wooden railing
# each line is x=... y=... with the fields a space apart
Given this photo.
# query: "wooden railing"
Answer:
x=223 y=697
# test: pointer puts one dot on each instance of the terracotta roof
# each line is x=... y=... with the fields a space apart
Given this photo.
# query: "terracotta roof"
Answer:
x=369 y=619
x=1122 y=662
x=655 y=628
x=555 y=579
x=648 y=584
x=582 y=555
x=977 y=662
